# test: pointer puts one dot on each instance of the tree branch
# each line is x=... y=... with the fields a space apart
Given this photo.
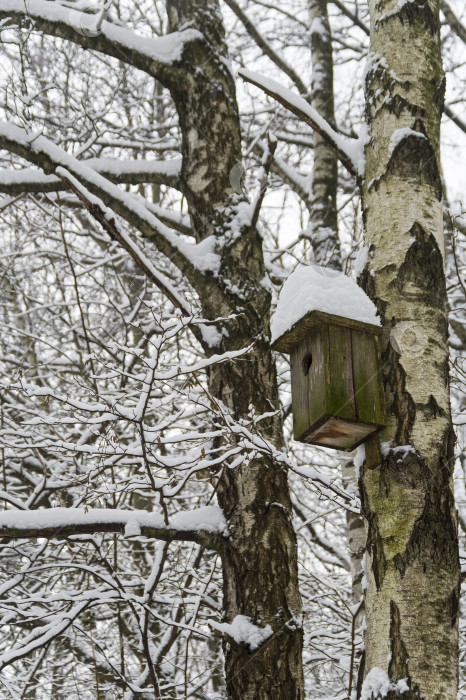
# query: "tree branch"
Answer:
x=265 y=47
x=191 y=259
x=204 y=526
x=155 y=56
x=130 y=172
x=344 y=10
x=456 y=26
x=456 y=120
x=347 y=150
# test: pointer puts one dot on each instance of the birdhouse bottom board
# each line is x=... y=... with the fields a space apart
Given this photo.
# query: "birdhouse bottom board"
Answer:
x=336 y=385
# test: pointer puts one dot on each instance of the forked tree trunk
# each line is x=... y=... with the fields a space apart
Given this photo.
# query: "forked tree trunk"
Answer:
x=412 y=564
x=260 y=574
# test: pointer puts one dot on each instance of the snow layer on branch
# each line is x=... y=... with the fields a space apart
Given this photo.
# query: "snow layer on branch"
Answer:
x=165 y=49
x=377 y=685
x=242 y=630
x=315 y=288
x=207 y=519
x=351 y=147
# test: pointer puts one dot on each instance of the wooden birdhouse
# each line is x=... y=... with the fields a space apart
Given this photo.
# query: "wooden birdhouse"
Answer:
x=336 y=379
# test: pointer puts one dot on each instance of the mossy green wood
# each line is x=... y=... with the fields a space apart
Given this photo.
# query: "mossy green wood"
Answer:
x=367 y=373
x=340 y=395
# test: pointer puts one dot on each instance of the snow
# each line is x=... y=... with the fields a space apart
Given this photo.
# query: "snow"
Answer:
x=242 y=630
x=361 y=261
x=318 y=27
x=207 y=519
x=132 y=528
x=202 y=255
x=121 y=167
x=401 y=450
x=359 y=459
x=316 y=288
x=377 y=685
x=400 y=134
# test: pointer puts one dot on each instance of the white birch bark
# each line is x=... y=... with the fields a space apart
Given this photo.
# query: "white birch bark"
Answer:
x=412 y=549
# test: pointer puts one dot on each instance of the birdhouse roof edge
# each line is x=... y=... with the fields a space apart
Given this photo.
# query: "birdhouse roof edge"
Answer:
x=285 y=342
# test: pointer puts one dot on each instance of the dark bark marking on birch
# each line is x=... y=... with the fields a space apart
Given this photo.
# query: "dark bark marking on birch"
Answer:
x=413 y=158
x=398 y=666
x=374 y=544
x=402 y=403
x=423 y=265
x=433 y=540
x=411 y=12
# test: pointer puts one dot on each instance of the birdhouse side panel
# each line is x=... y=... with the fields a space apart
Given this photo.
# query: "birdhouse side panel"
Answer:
x=340 y=389
x=368 y=381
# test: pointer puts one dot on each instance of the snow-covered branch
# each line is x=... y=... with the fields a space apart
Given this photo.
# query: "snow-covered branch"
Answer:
x=349 y=151
x=130 y=172
x=154 y=55
x=191 y=259
x=204 y=525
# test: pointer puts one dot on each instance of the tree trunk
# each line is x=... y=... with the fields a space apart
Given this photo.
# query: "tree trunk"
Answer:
x=323 y=212
x=412 y=564
x=325 y=239
x=260 y=575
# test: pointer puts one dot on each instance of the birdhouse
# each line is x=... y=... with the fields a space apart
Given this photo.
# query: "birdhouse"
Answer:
x=336 y=379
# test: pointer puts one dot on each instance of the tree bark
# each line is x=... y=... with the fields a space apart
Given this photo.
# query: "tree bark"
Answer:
x=260 y=576
x=323 y=212
x=412 y=564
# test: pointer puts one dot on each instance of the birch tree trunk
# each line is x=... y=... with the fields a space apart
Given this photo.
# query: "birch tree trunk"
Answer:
x=260 y=573
x=412 y=565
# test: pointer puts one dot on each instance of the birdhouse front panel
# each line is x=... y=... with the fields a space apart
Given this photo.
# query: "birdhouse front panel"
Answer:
x=336 y=382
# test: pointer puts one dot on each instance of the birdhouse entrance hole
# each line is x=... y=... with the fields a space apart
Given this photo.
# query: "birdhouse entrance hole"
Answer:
x=307 y=362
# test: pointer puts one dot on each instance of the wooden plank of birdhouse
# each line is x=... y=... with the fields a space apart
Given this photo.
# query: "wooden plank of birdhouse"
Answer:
x=319 y=374
x=367 y=372
x=340 y=401
x=338 y=433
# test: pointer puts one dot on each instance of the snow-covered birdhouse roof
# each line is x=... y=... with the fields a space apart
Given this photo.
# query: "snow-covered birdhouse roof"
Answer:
x=313 y=295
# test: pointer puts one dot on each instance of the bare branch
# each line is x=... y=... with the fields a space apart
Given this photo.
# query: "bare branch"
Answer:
x=455 y=119
x=456 y=26
x=267 y=49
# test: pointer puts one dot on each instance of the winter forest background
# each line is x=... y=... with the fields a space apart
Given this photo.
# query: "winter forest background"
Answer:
x=113 y=356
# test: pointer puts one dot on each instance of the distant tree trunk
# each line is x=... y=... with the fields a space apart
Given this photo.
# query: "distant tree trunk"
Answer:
x=412 y=564
x=260 y=574
x=323 y=213
x=325 y=239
